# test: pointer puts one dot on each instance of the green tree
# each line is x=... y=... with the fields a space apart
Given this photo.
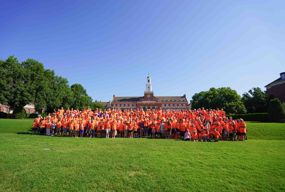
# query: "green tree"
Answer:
x=276 y=110
x=30 y=82
x=57 y=92
x=36 y=82
x=222 y=98
x=97 y=105
x=255 y=100
x=4 y=92
x=81 y=99
x=14 y=88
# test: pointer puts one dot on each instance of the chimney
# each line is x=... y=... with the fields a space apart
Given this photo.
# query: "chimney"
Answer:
x=282 y=75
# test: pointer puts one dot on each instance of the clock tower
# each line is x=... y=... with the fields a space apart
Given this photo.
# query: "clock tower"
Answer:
x=148 y=86
x=148 y=94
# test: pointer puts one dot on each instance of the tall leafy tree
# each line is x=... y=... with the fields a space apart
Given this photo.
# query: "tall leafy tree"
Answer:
x=255 y=100
x=81 y=99
x=15 y=91
x=30 y=82
x=222 y=98
x=57 y=92
x=36 y=82
x=4 y=92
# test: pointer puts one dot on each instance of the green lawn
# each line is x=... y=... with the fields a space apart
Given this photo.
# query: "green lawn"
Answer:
x=40 y=163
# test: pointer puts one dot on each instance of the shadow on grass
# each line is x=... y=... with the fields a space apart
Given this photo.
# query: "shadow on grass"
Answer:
x=25 y=132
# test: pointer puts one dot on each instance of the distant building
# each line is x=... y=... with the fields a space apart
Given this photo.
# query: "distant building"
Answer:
x=276 y=89
x=149 y=101
x=29 y=108
x=5 y=108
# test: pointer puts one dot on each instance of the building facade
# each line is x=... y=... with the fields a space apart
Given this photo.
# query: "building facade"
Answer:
x=276 y=89
x=29 y=108
x=150 y=101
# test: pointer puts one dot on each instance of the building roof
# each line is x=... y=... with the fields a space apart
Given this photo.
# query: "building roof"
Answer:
x=128 y=99
x=160 y=99
x=276 y=82
x=172 y=98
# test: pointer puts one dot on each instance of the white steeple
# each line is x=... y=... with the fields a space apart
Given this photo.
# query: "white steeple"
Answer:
x=148 y=87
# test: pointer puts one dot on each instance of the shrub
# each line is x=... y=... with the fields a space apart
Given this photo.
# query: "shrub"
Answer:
x=33 y=115
x=19 y=113
x=276 y=110
x=3 y=115
x=263 y=117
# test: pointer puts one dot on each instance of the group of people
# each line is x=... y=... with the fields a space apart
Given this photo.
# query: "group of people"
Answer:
x=189 y=125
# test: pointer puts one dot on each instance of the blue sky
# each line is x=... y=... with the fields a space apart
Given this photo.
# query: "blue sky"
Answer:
x=187 y=46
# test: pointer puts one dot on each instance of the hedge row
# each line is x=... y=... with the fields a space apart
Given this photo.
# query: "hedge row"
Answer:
x=263 y=117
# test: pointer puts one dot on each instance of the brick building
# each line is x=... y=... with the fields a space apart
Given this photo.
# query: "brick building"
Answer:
x=150 y=101
x=276 y=89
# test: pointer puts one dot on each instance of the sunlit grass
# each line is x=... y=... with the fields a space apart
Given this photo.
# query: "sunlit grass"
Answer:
x=40 y=163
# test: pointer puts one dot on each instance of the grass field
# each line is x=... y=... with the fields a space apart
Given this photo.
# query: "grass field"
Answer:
x=40 y=163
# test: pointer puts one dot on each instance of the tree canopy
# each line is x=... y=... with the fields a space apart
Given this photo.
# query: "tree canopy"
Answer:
x=30 y=82
x=222 y=98
x=276 y=110
x=255 y=100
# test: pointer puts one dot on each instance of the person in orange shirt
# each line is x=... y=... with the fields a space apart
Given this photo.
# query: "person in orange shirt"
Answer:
x=126 y=128
x=225 y=131
x=233 y=130
x=36 y=125
x=172 y=128
x=167 y=127
x=182 y=128
x=114 y=129
x=99 y=128
x=121 y=128
x=76 y=128
x=195 y=135
x=241 y=131
x=48 y=127
x=71 y=127
x=81 y=128
x=91 y=126
x=131 y=129
x=214 y=135
x=135 y=129
x=204 y=135
x=58 y=127
x=43 y=126
x=64 y=127
x=153 y=129
x=147 y=128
